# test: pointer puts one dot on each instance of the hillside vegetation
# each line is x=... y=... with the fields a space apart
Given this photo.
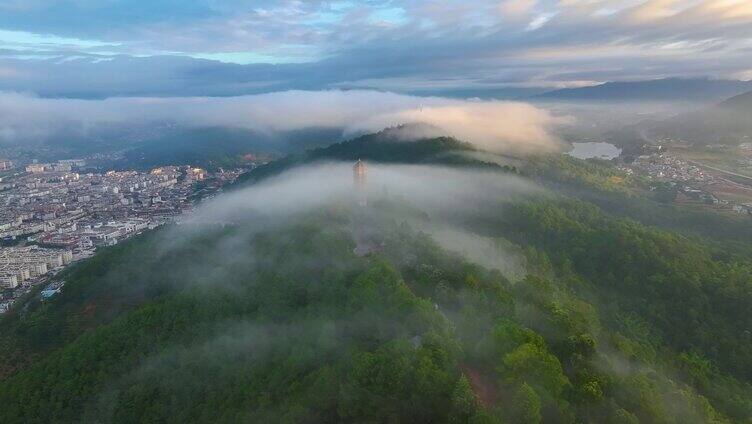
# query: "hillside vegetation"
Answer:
x=611 y=320
x=387 y=146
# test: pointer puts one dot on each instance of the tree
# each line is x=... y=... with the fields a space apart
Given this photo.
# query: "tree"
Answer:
x=526 y=406
x=464 y=402
x=532 y=362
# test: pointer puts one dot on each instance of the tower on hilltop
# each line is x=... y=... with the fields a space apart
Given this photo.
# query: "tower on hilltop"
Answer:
x=360 y=175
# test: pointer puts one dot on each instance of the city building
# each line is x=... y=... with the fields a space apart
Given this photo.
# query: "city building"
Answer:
x=53 y=215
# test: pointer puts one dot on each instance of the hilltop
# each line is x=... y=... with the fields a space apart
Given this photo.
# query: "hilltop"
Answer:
x=405 y=144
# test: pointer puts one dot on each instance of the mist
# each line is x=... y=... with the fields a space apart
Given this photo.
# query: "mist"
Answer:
x=440 y=192
x=593 y=120
x=491 y=125
x=433 y=199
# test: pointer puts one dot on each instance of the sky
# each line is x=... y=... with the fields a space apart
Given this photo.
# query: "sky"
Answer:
x=103 y=48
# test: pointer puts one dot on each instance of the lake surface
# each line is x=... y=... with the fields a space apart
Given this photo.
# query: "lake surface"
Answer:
x=599 y=150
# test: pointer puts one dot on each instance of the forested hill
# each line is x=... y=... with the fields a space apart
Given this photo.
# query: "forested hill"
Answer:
x=289 y=325
x=393 y=145
x=600 y=183
x=343 y=313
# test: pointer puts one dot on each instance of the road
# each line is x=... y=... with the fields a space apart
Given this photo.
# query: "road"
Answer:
x=723 y=171
x=748 y=180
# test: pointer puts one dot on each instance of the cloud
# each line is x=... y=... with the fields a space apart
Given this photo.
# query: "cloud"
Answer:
x=515 y=9
x=324 y=44
x=492 y=125
x=744 y=75
x=485 y=251
x=7 y=72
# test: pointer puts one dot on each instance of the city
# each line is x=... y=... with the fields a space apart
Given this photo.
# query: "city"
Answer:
x=54 y=214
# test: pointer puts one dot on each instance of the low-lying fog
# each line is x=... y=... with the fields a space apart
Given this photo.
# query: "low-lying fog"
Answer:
x=493 y=125
x=444 y=195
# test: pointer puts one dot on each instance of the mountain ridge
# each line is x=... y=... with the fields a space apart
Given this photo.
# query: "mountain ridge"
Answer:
x=742 y=100
x=726 y=123
x=401 y=144
x=665 y=89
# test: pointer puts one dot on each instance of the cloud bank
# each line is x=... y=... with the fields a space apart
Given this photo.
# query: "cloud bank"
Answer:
x=490 y=125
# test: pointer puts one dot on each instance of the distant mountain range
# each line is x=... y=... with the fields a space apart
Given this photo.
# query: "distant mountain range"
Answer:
x=701 y=90
x=726 y=122
x=213 y=147
x=742 y=102
x=729 y=122
x=150 y=144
